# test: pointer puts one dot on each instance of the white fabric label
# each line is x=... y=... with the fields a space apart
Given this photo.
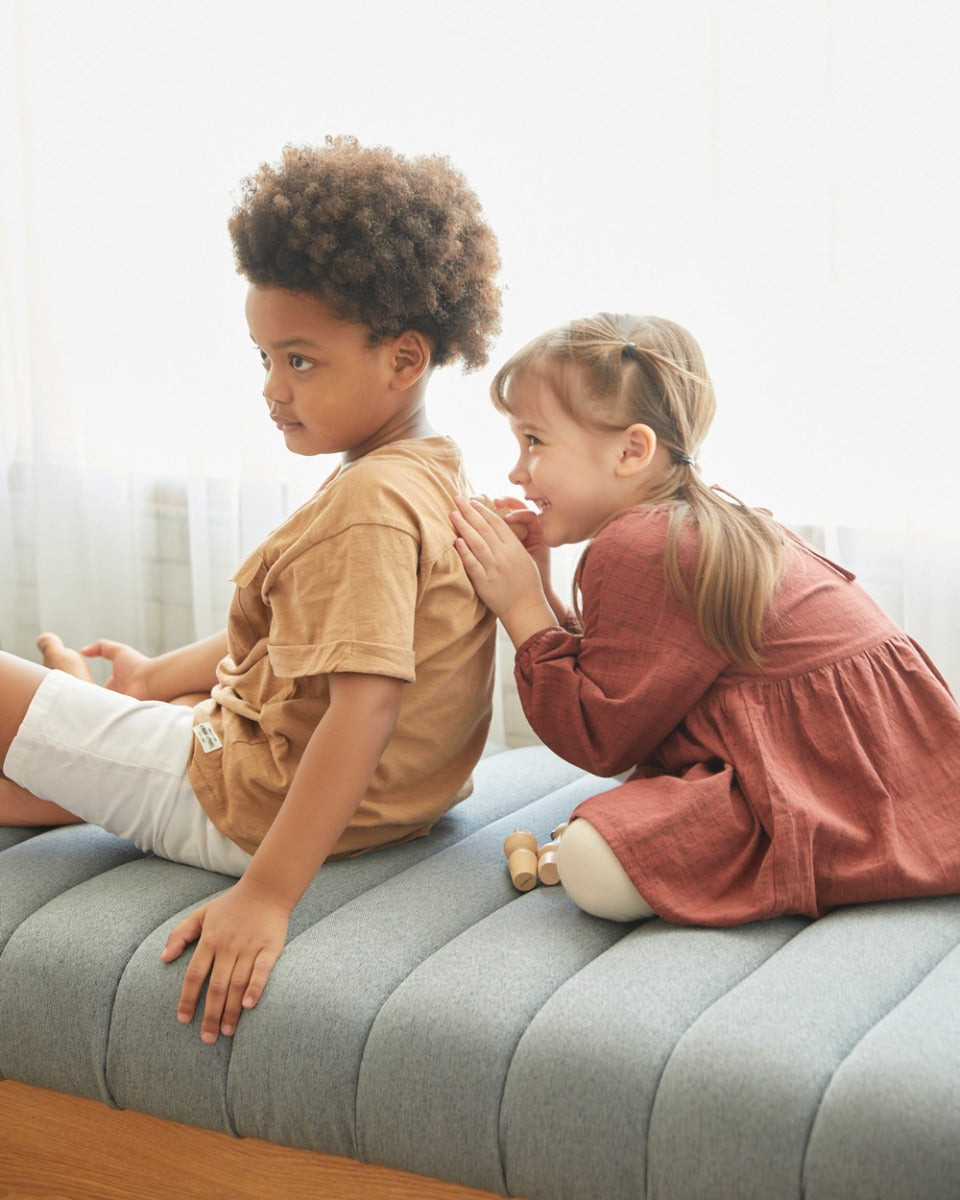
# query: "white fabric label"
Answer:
x=206 y=736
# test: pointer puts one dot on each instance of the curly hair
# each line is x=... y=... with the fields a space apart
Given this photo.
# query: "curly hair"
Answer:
x=388 y=242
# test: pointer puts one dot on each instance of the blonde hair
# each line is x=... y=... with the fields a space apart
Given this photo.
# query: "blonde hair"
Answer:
x=614 y=370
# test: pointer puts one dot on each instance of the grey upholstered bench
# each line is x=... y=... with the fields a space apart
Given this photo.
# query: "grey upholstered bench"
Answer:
x=427 y=1017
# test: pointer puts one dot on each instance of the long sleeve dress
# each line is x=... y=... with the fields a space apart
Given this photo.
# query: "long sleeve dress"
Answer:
x=829 y=776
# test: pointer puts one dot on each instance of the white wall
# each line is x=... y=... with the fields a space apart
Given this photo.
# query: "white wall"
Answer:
x=779 y=177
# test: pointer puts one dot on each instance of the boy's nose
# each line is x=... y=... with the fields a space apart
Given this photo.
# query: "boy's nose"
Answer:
x=273 y=390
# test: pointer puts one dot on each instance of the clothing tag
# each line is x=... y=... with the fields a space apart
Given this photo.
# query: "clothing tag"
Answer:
x=206 y=736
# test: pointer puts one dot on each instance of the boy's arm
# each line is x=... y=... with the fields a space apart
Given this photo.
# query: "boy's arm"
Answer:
x=191 y=668
x=242 y=932
x=180 y=672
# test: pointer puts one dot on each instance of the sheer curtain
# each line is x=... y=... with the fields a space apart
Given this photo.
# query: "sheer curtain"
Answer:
x=781 y=179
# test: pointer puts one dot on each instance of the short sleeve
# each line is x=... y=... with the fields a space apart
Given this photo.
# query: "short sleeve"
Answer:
x=346 y=603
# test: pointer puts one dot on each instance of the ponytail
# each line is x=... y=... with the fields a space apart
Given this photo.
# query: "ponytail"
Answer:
x=738 y=564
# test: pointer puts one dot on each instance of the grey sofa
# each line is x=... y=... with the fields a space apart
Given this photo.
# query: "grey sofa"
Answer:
x=428 y=1017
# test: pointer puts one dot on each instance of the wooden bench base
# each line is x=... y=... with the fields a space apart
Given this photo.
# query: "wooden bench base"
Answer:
x=57 y=1147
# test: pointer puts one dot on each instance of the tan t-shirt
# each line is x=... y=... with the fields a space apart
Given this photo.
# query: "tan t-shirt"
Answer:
x=363 y=578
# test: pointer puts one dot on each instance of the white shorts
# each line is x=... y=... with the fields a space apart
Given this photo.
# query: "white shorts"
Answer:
x=120 y=764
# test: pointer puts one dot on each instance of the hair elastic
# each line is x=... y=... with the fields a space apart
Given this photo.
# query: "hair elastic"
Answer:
x=686 y=460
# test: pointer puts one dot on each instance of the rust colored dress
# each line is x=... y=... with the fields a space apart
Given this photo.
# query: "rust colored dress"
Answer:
x=831 y=776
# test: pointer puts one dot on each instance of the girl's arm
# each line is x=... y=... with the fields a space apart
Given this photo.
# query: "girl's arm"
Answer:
x=191 y=669
x=607 y=698
x=242 y=932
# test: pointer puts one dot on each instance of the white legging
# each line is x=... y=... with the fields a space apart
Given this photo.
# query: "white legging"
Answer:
x=593 y=877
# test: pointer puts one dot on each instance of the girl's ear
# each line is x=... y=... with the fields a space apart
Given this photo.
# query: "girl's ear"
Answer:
x=410 y=357
x=637 y=448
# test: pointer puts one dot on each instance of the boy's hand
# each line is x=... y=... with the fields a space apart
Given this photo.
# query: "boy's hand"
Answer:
x=504 y=574
x=242 y=931
x=241 y=935
x=129 y=674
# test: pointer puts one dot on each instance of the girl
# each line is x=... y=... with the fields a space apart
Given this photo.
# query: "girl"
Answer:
x=789 y=748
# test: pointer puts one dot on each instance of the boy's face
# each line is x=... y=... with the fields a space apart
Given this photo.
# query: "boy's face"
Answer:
x=328 y=390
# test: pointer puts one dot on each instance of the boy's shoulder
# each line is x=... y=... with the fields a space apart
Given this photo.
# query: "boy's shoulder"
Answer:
x=408 y=471
x=414 y=457
x=408 y=486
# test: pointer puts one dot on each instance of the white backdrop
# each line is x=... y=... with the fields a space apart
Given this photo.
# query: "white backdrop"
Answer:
x=781 y=178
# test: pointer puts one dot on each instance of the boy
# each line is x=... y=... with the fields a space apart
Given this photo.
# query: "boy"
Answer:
x=349 y=698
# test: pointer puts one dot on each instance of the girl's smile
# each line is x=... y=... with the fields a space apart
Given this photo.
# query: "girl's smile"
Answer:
x=569 y=472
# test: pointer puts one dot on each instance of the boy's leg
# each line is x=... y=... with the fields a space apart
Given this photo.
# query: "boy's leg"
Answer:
x=23 y=808
x=62 y=658
x=19 y=681
x=119 y=763
x=59 y=657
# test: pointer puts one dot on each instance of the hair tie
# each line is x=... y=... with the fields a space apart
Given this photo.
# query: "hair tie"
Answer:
x=686 y=460
x=630 y=351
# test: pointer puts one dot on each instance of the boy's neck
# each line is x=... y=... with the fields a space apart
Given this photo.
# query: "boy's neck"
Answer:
x=407 y=425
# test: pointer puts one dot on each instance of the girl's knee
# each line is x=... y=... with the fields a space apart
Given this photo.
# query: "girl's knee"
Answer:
x=593 y=877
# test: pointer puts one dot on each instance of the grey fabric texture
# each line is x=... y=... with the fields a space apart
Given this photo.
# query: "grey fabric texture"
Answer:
x=10 y=836
x=427 y=1016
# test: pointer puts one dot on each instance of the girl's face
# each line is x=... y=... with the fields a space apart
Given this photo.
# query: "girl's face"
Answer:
x=328 y=390
x=568 y=471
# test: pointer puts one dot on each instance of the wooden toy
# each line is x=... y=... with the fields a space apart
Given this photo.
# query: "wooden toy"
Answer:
x=520 y=848
x=547 y=864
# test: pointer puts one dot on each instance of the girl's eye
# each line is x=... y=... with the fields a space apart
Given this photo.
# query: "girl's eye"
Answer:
x=299 y=363
x=531 y=440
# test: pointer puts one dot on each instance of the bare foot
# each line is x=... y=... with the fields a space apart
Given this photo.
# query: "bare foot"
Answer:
x=59 y=657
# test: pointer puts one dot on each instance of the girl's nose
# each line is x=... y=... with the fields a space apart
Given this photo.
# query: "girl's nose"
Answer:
x=518 y=475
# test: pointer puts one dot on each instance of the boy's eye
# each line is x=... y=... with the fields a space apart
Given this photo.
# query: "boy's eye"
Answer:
x=299 y=363
x=264 y=360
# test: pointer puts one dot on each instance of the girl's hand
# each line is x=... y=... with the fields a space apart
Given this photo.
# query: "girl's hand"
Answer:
x=241 y=935
x=504 y=574
x=129 y=674
x=525 y=523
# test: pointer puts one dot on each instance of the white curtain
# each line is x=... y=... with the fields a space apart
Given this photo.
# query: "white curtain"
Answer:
x=781 y=178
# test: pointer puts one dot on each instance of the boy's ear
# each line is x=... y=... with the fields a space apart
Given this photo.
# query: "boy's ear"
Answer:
x=411 y=357
x=637 y=448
